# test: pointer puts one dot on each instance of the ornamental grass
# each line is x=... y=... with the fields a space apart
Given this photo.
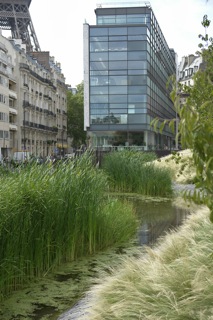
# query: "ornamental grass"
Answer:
x=49 y=215
x=173 y=281
x=133 y=171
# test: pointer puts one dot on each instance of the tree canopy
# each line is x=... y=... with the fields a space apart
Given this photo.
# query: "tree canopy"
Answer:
x=196 y=121
x=195 y=125
x=75 y=116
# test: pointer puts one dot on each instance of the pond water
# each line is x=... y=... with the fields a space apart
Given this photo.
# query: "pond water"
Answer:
x=50 y=296
x=156 y=218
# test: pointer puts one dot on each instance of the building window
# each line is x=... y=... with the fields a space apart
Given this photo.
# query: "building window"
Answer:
x=4 y=134
x=128 y=67
x=3 y=117
x=3 y=81
x=2 y=98
x=131 y=108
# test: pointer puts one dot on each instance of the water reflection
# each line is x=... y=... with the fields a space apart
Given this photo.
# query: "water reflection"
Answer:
x=47 y=299
x=156 y=218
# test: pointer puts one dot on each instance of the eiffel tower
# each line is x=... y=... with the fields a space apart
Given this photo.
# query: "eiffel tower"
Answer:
x=15 y=16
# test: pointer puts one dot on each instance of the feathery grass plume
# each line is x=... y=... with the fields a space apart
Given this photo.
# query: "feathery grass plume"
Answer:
x=180 y=165
x=173 y=281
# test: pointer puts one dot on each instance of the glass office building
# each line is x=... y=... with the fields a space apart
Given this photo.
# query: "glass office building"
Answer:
x=127 y=63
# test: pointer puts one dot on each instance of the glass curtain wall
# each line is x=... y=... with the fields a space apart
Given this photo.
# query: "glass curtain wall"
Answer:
x=130 y=63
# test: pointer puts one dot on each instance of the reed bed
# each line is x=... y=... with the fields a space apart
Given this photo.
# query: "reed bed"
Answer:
x=173 y=281
x=49 y=215
x=132 y=171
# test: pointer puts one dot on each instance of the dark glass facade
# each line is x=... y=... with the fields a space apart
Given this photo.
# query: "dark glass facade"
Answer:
x=128 y=64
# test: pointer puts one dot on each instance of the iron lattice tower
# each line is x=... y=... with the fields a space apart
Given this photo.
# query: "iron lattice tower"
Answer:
x=15 y=16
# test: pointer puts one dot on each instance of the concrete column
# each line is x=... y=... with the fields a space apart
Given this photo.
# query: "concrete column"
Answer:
x=146 y=140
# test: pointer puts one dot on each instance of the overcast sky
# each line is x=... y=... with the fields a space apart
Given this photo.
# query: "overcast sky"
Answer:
x=59 y=27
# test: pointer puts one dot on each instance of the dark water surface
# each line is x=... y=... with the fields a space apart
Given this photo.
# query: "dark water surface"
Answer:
x=156 y=218
x=49 y=297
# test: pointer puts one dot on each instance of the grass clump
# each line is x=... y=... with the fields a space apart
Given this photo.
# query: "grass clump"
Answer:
x=173 y=281
x=51 y=215
x=181 y=166
x=132 y=171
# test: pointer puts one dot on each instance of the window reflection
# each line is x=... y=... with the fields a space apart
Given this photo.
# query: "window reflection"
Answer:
x=111 y=118
x=121 y=91
x=98 y=46
x=117 y=55
x=117 y=65
x=95 y=65
x=117 y=45
x=123 y=19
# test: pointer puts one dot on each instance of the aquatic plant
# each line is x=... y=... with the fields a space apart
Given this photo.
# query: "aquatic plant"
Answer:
x=49 y=215
x=132 y=171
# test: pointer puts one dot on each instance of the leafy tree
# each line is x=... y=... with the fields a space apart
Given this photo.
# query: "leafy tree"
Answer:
x=196 y=121
x=75 y=116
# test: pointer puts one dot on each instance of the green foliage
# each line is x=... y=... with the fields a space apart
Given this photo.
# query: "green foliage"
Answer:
x=133 y=171
x=4 y=170
x=75 y=116
x=195 y=127
x=54 y=214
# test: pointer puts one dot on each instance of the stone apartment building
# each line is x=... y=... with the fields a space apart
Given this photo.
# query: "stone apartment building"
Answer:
x=187 y=68
x=33 y=103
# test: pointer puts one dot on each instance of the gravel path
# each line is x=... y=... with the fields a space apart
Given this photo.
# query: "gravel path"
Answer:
x=183 y=187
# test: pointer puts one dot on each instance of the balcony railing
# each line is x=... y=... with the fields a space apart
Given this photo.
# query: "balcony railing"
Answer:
x=13 y=111
x=26 y=103
x=24 y=66
x=13 y=127
x=39 y=126
x=26 y=85
x=12 y=94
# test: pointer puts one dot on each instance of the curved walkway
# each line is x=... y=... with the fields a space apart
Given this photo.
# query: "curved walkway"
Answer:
x=183 y=187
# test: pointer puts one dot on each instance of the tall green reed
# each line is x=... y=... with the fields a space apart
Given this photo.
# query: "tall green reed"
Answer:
x=49 y=215
x=133 y=171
